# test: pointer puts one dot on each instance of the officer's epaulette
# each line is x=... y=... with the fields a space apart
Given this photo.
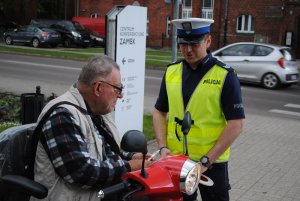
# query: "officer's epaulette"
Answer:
x=175 y=62
x=223 y=65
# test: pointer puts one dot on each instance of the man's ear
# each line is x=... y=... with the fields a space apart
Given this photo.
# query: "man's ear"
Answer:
x=97 y=89
x=208 y=41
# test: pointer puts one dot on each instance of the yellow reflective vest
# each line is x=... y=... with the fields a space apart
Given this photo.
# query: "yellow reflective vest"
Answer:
x=205 y=108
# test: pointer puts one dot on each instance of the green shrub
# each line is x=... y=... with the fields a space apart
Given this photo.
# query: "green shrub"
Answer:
x=6 y=125
x=10 y=108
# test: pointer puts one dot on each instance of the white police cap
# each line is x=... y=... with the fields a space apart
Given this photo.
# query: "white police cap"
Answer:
x=192 y=30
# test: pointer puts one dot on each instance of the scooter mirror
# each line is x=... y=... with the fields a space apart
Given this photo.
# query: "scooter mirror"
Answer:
x=134 y=141
x=186 y=123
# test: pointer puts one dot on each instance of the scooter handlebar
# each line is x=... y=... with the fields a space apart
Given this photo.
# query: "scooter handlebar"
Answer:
x=113 y=189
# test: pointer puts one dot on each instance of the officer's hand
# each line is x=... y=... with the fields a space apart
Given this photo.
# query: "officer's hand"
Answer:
x=203 y=168
x=165 y=152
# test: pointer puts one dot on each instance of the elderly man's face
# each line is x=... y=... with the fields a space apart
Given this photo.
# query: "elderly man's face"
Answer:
x=108 y=92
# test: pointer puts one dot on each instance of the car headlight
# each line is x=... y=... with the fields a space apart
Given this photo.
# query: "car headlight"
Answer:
x=76 y=34
x=190 y=177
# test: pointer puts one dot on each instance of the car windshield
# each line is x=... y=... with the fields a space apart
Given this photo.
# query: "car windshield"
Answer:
x=288 y=54
x=73 y=26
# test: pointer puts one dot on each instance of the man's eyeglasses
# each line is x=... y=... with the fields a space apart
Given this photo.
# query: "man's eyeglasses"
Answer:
x=118 y=89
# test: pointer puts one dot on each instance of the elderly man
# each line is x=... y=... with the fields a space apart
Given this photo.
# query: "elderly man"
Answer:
x=78 y=152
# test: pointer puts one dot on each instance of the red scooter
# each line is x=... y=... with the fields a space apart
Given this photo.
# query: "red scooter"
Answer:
x=165 y=179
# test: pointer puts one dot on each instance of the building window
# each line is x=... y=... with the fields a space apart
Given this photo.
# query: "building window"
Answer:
x=187 y=9
x=168 y=26
x=245 y=24
x=208 y=9
x=94 y=15
x=147 y=27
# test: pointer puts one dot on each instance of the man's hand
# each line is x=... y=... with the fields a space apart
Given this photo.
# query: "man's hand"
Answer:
x=140 y=156
x=136 y=164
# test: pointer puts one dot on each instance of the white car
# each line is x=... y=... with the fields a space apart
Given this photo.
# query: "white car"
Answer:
x=269 y=65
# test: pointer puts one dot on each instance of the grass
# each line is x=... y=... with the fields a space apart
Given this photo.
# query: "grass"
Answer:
x=148 y=131
x=148 y=127
x=154 y=58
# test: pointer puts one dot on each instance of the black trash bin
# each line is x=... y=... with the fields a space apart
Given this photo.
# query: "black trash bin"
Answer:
x=32 y=105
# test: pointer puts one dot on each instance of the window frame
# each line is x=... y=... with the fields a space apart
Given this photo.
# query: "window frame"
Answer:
x=187 y=10
x=208 y=12
x=246 y=24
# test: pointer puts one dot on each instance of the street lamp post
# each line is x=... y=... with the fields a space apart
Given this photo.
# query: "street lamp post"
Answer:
x=174 y=31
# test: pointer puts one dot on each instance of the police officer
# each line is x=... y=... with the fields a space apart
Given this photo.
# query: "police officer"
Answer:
x=210 y=91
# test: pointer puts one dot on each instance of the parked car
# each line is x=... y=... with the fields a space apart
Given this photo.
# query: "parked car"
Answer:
x=72 y=33
x=32 y=35
x=96 y=39
x=43 y=22
x=96 y=24
x=269 y=65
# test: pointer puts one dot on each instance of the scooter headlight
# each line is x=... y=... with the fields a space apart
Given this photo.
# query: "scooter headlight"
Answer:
x=190 y=177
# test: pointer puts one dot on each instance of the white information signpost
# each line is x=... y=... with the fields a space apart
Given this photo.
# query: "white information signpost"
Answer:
x=130 y=54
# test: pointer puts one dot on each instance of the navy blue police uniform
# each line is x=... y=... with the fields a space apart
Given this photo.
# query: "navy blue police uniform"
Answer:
x=232 y=106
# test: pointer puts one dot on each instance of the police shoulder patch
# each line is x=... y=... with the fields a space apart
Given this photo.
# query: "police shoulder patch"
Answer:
x=223 y=65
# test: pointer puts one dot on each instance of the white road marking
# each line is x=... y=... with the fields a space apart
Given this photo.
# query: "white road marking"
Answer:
x=285 y=112
x=292 y=105
x=41 y=65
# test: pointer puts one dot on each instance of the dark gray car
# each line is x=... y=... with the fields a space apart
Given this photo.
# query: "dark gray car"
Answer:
x=72 y=33
x=32 y=35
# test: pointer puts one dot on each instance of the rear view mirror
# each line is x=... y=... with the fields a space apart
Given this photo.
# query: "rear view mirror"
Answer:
x=134 y=141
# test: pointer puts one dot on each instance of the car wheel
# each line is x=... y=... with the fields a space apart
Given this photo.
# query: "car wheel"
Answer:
x=8 y=40
x=35 y=42
x=67 y=42
x=270 y=81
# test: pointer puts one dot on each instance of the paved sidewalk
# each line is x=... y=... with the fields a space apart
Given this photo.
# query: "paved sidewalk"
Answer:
x=265 y=160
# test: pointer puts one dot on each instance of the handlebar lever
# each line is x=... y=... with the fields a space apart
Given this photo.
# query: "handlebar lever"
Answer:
x=113 y=189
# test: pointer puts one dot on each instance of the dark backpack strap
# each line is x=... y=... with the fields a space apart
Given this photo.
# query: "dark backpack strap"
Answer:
x=38 y=129
x=102 y=128
x=47 y=114
x=97 y=120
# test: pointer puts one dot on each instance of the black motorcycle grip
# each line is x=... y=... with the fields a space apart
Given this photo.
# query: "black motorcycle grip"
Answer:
x=113 y=189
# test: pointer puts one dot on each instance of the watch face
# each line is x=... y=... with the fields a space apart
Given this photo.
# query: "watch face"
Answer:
x=204 y=160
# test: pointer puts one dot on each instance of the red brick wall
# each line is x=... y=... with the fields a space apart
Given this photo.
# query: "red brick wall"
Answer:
x=271 y=27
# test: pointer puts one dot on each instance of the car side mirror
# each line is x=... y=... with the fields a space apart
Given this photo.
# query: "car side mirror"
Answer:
x=134 y=141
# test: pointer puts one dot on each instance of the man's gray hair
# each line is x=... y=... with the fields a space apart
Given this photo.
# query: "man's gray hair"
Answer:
x=100 y=66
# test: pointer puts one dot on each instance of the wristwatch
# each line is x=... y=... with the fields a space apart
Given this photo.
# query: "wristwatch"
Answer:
x=204 y=160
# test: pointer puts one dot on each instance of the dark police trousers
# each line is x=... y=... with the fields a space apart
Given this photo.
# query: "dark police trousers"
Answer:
x=218 y=172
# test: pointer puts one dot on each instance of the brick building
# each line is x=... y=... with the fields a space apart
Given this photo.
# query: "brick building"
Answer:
x=269 y=21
